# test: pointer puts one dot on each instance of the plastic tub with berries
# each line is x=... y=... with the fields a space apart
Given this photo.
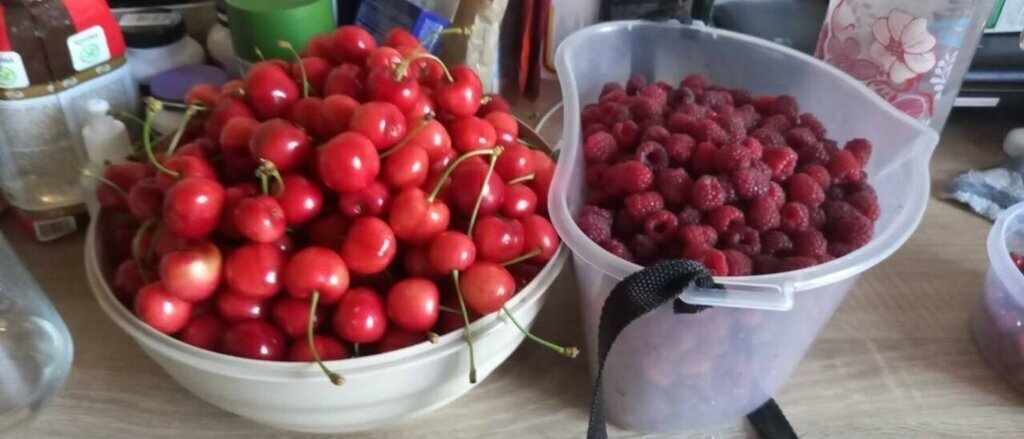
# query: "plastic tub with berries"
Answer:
x=998 y=322
x=735 y=167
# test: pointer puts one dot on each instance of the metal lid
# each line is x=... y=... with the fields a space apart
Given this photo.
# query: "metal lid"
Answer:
x=152 y=28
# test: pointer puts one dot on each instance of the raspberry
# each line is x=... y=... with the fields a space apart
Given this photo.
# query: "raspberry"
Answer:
x=755 y=147
x=689 y=216
x=831 y=147
x=664 y=86
x=704 y=159
x=781 y=160
x=644 y=109
x=625 y=225
x=774 y=242
x=819 y=174
x=615 y=112
x=741 y=97
x=835 y=192
x=799 y=138
x=859 y=187
x=595 y=174
x=765 y=264
x=655 y=93
x=733 y=125
x=750 y=117
x=749 y=183
x=732 y=158
x=709 y=130
x=645 y=203
x=768 y=137
x=730 y=192
x=675 y=186
x=656 y=133
x=599 y=147
x=714 y=98
x=777 y=122
x=861 y=150
x=591 y=114
x=739 y=264
x=707 y=193
x=742 y=238
x=763 y=214
x=698 y=236
x=695 y=82
x=594 y=128
x=615 y=97
x=629 y=177
x=835 y=210
x=817 y=218
x=635 y=84
x=840 y=249
x=812 y=154
x=810 y=243
x=679 y=148
x=653 y=155
x=682 y=96
x=617 y=248
x=627 y=135
x=661 y=226
x=866 y=204
x=804 y=189
x=610 y=87
x=723 y=218
x=644 y=249
x=776 y=194
x=855 y=230
x=763 y=104
x=596 y=223
x=812 y=123
x=844 y=167
x=796 y=263
x=795 y=217
x=683 y=123
x=787 y=106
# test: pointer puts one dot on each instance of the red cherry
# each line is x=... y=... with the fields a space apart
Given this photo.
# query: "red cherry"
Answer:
x=283 y=144
x=413 y=304
x=383 y=85
x=186 y=166
x=373 y=200
x=316 y=73
x=232 y=196
x=202 y=94
x=146 y=199
x=235 y=307
x=486 y=286
x=192 y=274
x=260 y=219
x=255 y=339
x=327 y=231
x=544 y=168
x=397 y=338
x=539 y=234
x=336 y=113
x=270 y=91
x=167 y=241
x=162 y=311
x=236 y=134
x=370 y=246
x=415 y=219
x=360 y=316
x=462 y=97
x=471 y=177
x=495 y=102
x=407 y=167
x=320 y=46
x=346 y=79
x=255 y=270
x=226 y=110
x=316 y=269
x=204 y=332
x=285 y=244
x=520 y=201
x=233 y=88
x=381 y=122
x=417 y=263
x=514 y=162
x=450 y=251
x=300 y=198
x=192 y=207
x=127 y=280
x=349 y=162
x=291 y=315
x=197 y=148
x=352 y=44
x=472 y=133
x=327 y=347
x=505 y=126
x=308 y=114
x=433 y=138
x=383 y=57
x=399 y=36
x=125 y=175
x=498 y=239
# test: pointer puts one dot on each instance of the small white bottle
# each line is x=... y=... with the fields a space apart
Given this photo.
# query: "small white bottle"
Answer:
x=106 y=141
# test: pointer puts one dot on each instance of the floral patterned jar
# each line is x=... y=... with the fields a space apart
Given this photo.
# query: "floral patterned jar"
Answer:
x=913 y=53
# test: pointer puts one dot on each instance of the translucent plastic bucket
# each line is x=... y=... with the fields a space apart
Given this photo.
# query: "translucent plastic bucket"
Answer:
x=670 y=372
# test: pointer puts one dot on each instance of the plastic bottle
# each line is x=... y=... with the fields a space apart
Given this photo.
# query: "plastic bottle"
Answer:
x=218 y=42
x=106 y=139
x=158 y=41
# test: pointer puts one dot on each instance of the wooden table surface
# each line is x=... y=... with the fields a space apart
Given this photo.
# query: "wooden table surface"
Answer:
x=895 y=361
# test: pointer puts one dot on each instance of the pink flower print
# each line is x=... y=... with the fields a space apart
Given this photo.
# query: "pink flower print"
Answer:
x=903 y=47
x=845 y=55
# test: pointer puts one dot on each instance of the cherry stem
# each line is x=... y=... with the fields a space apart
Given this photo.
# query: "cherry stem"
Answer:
x=449 y=310
x=466 y=334
x=136 y=248
x=486 y=100
x=265 y=172
x=483 y=187
x=191 y=111
x=528 y=143
x=523 y=178
x=302 y=66
x=408 y=137
x=433 y=337
x=449 y=31
x=335 y=377
x=451 y=168
x=153 y=107
x=259 y=53
x=113 y=112
x=88 y=173
x=402 y=68
x=355 y=350
x=571 y=351
x=175 y=105
x=522 y=257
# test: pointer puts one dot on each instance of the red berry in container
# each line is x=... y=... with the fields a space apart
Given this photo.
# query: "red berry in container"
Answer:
x=413 y=304
x=360 y=316
x=160 y=310
x=370 y=246
x=327 y=347
x=255 y=271
x=255 y=339
x=486 y=286
x=205 y=332
x=316 y=270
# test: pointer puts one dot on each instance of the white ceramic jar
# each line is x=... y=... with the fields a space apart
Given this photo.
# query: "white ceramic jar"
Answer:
x=157 y=41
x=218 y=42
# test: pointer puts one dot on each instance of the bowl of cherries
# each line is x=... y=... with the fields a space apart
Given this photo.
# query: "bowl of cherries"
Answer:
x=334 y=243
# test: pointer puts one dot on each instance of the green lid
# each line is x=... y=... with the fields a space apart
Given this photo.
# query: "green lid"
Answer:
x=261 y=23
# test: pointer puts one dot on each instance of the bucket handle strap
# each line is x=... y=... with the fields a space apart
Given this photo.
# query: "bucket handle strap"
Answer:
x=643 y=292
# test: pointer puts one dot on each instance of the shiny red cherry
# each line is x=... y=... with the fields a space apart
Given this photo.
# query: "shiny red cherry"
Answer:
x=381 y=122
x=270 y=91
x=486 y=286
x=327 y=347
x=495 y=102
x=352 y=44
x=360 y=316
x=167 y=241
x=192 y=207
x=235 y=136
x=348 y=162
x=320 y=46
x=260 y=219
x=544 y=168
x=160 y=310
x=370 y=246
x=383 y=84
x=469 y=178
x=127 y=280
x=255 y=339
x=316 y=73
x=291 y=315
x=316 y=269
x=407 y=167
x=300 y=199
x=346 y=79
x=399 y=37
x=204 y=332
x=498 y=239
x=192 y=274
x=146 y=199
x=282 y=143
x=416 y=261
x=413 y=304
x=186 y=166
x=472 y=133
x=433 y=138
x=255 y=270
x=423 y=107
x=505 y=126
x=336 y=112
x=125 y=175
x=539 y=234
x=514 y=162
x=232 y=196
x=226 y=110
x=308 y=114
x=415 y=219
x=520 y=201
x=383 y=57
x=451 y=250
x=202 y=94
x=462 y=97
x=373 y=200
x=235 y=307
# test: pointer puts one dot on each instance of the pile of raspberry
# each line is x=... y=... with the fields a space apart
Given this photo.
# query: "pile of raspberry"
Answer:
x=744 y=184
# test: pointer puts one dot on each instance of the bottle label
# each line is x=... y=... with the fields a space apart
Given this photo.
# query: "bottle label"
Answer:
x=12 y=71
x=88 y=48
x=50 y=230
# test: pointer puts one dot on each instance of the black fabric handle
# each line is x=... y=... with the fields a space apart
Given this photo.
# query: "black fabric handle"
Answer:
x=643 y=292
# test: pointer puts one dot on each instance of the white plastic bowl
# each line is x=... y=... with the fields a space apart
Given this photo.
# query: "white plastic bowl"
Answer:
x=379 y=390
x=669 y=372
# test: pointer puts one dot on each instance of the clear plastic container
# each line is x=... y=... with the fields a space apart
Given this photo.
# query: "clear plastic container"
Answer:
x=668 y=372
x=998 y=322
x=35 y=346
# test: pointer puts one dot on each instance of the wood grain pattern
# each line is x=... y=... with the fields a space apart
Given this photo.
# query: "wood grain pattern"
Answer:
x=895 y=361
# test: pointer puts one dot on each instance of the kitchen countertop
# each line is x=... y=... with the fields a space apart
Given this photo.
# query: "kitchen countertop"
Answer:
x=896 y=360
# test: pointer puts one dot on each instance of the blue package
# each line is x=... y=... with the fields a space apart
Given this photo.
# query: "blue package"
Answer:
x=380 y=16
